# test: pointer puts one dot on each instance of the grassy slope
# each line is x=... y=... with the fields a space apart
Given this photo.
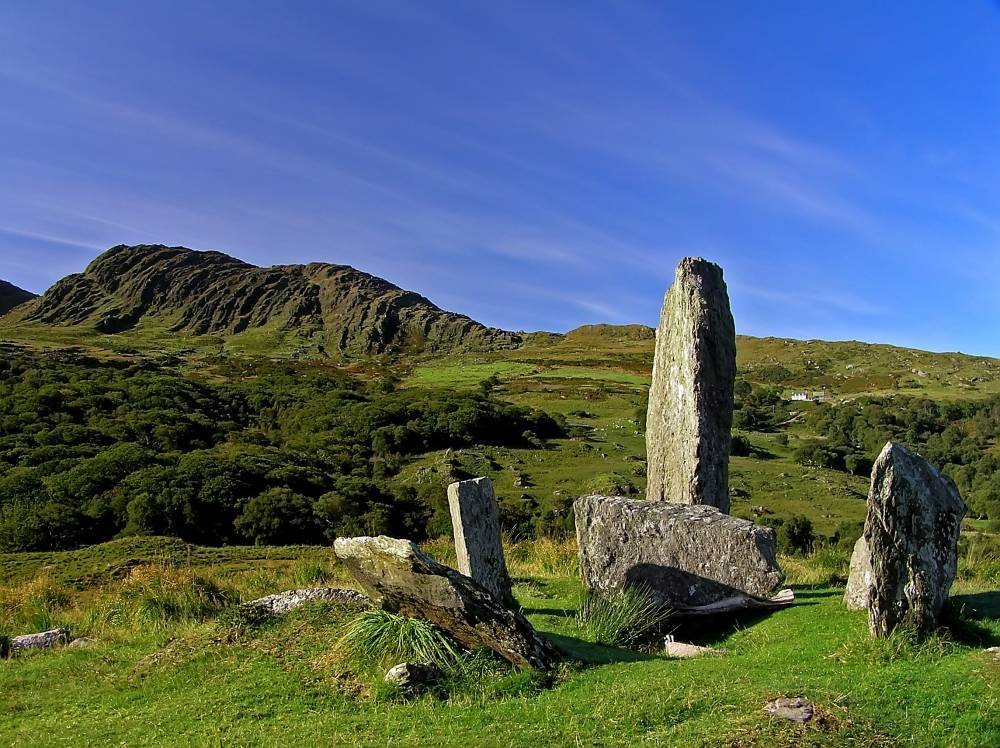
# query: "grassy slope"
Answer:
x=277 y=690
x=185 y=685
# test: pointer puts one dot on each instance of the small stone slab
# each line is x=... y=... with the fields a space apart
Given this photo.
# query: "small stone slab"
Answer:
x=403 y=579
x=796 y=710
x=684 y=650
x=690 y=410
x=43 y=640
x=475 y=519
x=687 y=556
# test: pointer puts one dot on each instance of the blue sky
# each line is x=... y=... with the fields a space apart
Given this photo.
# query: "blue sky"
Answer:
x=534 y=165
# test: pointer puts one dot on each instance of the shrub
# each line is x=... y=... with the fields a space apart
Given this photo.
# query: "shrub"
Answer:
x=621 y=618
x=380 y=638
x=796 y=535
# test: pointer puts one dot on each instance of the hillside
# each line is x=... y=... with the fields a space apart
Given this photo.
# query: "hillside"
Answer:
x=11 y=296
x=327 y=308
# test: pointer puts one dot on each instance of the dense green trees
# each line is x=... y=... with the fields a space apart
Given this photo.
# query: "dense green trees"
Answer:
x=958 y=437
x=277 y=454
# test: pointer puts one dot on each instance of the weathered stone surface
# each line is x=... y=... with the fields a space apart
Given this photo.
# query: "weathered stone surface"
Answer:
x=690 y=411
x=475 y=519
x=412 y=678
x=43 y=640
x=82 y=643
x=912 y=527
x=793 y=709
x=860 y=579
x=686 y=555
x=403 y=579
x=282 y=602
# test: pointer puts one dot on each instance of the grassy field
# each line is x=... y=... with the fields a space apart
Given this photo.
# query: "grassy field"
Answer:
x=171 y=667
x=161 y=674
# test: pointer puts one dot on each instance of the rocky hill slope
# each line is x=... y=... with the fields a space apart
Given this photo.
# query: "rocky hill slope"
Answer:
x=197 y=293
x=12 y=296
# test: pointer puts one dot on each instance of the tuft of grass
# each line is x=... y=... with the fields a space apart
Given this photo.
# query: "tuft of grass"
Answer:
x=157 y=596
x=35 y=605
x=903 y=644
x=824 y=566
x=546 y=557
x=621 y=618
x=380 y=638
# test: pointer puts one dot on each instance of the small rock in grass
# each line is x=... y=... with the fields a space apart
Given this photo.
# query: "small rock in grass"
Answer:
x=82 y=643
x=412 y=678
x=796 y=710
x=43 y=640
x=683 y=650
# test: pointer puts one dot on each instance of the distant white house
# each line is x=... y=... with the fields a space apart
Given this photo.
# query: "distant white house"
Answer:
x=816 y=397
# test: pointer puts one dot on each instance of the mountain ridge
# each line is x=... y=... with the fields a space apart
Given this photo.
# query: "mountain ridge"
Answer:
x=208 y=292
x=12 y=296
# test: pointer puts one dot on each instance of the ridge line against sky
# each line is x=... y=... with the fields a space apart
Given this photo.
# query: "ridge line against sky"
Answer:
x=535 y=166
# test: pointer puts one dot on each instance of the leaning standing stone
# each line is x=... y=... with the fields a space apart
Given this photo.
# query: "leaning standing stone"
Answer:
x=402 y=579
x=690 y=411
x=475 y=519
x=912 y=527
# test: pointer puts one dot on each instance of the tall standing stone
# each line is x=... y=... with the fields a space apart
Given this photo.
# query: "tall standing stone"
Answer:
x=475 y=519
x=908 y=556
x=690 y=410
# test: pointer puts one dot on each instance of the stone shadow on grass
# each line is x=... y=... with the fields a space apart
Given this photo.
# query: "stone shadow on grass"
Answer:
x=594 y=654
x=964 y=617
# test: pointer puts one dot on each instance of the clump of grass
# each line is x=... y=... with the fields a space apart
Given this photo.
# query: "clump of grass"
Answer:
x=158 y=596
x=380 y=638
x=826 y=565
x=621 y=618
x=35 y=605
x=310 y=574
x=904 y=643
x=549 y=557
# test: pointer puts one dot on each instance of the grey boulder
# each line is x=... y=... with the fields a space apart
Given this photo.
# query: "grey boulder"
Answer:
x=686 y=555
x=402 y=579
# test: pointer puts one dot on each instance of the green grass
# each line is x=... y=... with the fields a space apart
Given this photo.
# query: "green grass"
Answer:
x=190 y=683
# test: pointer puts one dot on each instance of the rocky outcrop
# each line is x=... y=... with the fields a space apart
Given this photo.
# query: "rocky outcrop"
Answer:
x=282 y=602
x=338 y=308
x=911 y=533
x=690 y=410
x=686 y=555
x=12 y=296
x=402 y=579
x=475 y=519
